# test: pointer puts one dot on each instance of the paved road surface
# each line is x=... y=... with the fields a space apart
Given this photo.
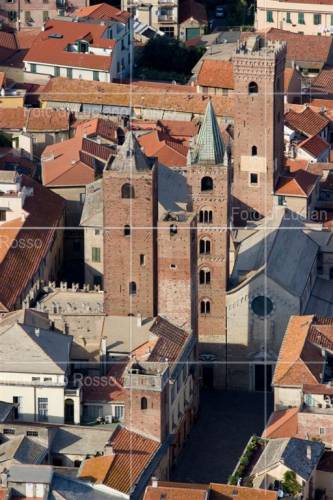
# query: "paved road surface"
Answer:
x=226 y=422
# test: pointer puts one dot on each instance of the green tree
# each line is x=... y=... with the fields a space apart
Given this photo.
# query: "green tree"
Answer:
x=168 y=55
x=290 y=484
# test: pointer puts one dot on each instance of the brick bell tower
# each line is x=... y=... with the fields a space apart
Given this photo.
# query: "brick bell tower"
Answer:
x=130 y=219
x=208 y=178
x=258 y=126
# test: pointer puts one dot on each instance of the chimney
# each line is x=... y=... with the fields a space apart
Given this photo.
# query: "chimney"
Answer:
x=37 y=332
x=139 y=320
x=3 y=479
x=154 y=482
x=308 y=452
x=108 y=450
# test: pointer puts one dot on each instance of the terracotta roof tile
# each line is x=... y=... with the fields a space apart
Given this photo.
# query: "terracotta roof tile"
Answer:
x=174 y=491
x=303 y=48
x=110 y=391
x=315 y=146
x=170 y=343
x=216 y=73
x=301 y=184
x=34 y=120
x=72 y=162
x=169 y=152
x=300 y=359
x=131 y=455
x=308 y=122
x=282 y=424
x=53 y=50
x=179 y=128
x=95 y=469
x=167 y=97
x=294 y=165
x=227 y=491
x=23 y=261
x=104 y=11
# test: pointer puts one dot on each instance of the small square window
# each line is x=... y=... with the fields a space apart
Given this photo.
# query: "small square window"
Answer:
x=322 y=430
x=316 y=19
x=253 y=179
x=269 y=16
x=96 y=254
x=142 y=259
x=301 y=18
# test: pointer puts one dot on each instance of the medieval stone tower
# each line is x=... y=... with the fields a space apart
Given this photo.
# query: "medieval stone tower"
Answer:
x=130 y=218
x=208 y=178
x=258 y=127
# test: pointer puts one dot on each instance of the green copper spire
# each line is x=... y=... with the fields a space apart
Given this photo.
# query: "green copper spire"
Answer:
x=209 y=145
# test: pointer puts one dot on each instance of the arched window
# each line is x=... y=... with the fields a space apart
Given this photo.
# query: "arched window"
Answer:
x=205 y=306
x=132 y=288
x=206 y=184
x=144 y=404
x=253 y=88
x=204 y=276
x=127 y=230
x=127 y=191
x=204 y=246
x=206 y=216
x=254 y=150
x=173 y=229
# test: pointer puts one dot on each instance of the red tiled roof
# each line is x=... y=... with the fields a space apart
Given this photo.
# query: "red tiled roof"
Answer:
x=169 y=152
x=301 y=184
x=303 y=48
x=216 y=73
x=179 y=128
x=176 y=491
x=131 y=455
x=300 y=359
x=294 y=165
x=110 y=391
x=22 y=261
x=104 y=11
x=308 y=122
x=170 y=343
x=71 y=162
x=315 y=146
x=229 y=492
x=169 y=97
x=34 y=120
x=53 y=50
x=282 y=424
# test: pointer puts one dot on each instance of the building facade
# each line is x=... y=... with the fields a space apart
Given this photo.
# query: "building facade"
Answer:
x=302 y=16
x=34 y=13
x=160 y=14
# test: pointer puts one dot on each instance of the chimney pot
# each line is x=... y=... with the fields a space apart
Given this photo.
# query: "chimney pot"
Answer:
x=154 y=482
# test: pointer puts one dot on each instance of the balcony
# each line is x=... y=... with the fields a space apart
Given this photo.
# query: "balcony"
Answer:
x=165 y=18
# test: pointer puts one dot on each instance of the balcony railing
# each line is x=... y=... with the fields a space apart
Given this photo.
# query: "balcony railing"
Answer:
x=166 y=19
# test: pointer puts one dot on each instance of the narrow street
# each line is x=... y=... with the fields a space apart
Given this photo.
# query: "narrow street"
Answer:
x=226 y=422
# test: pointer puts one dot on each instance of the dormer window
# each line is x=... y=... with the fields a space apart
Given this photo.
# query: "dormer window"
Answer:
x=82 y=46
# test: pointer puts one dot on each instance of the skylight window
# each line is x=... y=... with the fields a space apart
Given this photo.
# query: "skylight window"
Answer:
x=56 y=36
